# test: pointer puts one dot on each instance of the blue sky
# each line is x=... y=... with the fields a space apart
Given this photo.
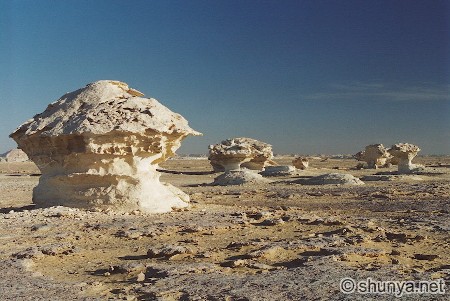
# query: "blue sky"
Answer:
x=305 y=76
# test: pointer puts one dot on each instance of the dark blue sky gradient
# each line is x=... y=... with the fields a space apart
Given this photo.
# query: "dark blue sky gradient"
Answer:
x=306 y=76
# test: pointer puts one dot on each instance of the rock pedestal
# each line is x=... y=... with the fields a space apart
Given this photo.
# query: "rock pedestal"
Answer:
x=403 y=154
x=99 y=147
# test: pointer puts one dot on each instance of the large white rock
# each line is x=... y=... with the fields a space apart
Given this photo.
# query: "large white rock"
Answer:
x=403 y=154
x=375 y=155
x=232 y=154
x=99 y=146
x=16 y=155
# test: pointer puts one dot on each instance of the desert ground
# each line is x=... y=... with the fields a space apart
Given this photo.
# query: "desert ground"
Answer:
x=273 y=241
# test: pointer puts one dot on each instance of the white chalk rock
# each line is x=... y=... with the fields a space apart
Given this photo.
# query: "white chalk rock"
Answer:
x=403 y=154
x=232 y=154
x=301 y=163
x=239 y=177
x=375 y=155
x=99 y=147
x=277 y=171
x=16 y=155
x=332 y=178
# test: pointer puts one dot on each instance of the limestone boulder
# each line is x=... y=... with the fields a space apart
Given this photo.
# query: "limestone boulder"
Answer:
x=279 y=171
x=232 y=154
x=301 y=163
x=99 y=146
x=16 y=155
x=239 y=177
x=403 y=154
x=375 y=155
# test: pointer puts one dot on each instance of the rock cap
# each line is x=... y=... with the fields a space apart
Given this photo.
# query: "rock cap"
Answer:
x=102 y=107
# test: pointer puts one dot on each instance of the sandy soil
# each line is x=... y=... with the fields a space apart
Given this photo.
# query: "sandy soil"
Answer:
x=275 y=241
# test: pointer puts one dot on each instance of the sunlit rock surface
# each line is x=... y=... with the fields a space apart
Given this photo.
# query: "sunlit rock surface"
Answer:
x=99 y=146
x=301 y=163
x=232 y=154
x=403 y=154
x=239 y=177
x=279 y=170
x=16 y=155
x=375 y=155
x=331 y=178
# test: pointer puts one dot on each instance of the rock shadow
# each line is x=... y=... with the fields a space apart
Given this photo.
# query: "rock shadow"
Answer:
x=188 y=173
x=18 y=209
x=133 y=257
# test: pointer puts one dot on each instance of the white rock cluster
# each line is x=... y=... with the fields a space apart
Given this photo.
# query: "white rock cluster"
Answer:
x=232 y=154
x=99 y=146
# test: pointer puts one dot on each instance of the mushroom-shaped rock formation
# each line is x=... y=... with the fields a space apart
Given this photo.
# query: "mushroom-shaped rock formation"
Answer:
x=404 y=153
x=300 y=163
x=232 y=154
x=99 y=147
x=375 y=155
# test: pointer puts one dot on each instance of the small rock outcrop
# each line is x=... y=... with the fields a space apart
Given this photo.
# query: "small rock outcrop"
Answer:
x=375 y=155
x=99 y=147
x=301 y=163
x=16 y=155
x=239 y=177
x=331 y=178
x=232 y=154
x=278 y=171
x=403 y=154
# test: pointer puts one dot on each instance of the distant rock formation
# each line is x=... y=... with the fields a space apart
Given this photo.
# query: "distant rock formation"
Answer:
x=99 y=147
x=16 y=155
x=232 y=154
x=403 y=154
x=301 y=163
x=375 y=155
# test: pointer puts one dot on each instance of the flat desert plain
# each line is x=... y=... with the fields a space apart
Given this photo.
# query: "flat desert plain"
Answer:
x=270 y=241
